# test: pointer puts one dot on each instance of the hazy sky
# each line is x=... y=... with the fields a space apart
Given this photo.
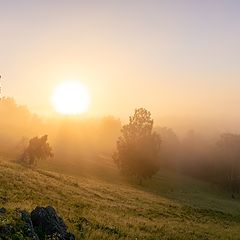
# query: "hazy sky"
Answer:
x=176 y=58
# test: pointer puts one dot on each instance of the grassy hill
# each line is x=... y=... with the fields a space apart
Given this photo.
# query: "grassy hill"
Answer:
x=168 y=207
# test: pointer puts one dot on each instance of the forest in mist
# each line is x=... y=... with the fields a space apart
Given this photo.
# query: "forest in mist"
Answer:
x=119 y=120
x=143 y=178
x=82 y=144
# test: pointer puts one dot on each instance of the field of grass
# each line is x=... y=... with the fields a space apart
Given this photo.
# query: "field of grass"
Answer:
x=169 y=206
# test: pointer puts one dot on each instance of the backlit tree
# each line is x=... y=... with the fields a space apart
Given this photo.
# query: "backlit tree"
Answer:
x=138 y=147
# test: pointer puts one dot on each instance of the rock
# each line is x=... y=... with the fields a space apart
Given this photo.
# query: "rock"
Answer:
x=29 y=226
x=46 y=222
x=2 y=211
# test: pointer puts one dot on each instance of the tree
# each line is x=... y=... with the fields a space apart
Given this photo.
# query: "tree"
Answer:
x=38 y=148
x=138 y=147
x=229 y=149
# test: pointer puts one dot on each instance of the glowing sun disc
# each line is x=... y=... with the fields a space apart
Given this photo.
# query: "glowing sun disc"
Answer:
x=70 y=98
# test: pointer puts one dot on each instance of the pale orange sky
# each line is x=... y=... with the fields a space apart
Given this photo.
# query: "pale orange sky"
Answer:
x=179 y=59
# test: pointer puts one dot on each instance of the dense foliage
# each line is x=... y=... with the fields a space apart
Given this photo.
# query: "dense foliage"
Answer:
x=138 y=147
x=38 y=148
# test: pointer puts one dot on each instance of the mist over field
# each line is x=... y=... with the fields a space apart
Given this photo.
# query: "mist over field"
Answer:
x=119 y=120
x=83 y=180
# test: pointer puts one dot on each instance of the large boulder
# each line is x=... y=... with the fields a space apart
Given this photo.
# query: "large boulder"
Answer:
x=2 y=211
x=41 y=224
x=29 y=229
x=46 y=222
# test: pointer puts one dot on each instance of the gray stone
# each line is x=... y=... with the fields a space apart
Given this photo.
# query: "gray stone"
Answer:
x=46 y=222
x=29 y=226
x=2 y=211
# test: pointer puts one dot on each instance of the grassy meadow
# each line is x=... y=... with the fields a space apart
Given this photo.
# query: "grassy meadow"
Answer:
x=169 y=206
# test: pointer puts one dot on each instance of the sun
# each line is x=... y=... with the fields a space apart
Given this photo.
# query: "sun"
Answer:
x=71 y=98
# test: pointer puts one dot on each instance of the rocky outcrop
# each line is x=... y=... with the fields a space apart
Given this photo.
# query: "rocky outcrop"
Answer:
x=29 y=229
x=2 y=210
x=46 y=222
x=43 y=223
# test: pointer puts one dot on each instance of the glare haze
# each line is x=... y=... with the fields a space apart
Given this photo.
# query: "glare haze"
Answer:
x=179 y=59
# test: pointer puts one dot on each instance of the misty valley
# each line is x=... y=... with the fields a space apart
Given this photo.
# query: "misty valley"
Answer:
x=119 y=120
x=144 y=180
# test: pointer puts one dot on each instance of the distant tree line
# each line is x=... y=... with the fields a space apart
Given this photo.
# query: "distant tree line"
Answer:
x=141 y=152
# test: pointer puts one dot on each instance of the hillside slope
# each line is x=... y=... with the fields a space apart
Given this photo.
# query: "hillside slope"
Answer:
x=168 y=207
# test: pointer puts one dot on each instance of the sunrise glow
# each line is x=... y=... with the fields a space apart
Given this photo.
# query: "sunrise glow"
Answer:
x=71 y=98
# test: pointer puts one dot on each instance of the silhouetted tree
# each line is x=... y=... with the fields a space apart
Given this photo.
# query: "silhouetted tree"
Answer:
x=38 y=148
x=229 y=149
x=138 y=147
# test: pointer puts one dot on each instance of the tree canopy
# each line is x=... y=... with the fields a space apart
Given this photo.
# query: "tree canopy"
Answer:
x=38 y=148
x=138 y=147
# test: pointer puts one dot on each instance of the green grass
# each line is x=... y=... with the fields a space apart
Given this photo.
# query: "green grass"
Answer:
x=169 y=206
